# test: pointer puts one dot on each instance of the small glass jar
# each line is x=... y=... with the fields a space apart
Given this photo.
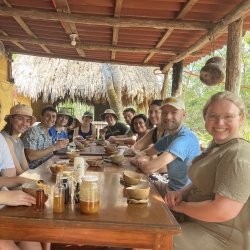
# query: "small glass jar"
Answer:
x=89 y=195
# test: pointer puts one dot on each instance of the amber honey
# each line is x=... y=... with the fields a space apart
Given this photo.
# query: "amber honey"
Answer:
x=89 y=207
x=58 y=204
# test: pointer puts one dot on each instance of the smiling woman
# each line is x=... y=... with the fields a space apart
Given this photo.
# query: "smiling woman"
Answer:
x=18 y=121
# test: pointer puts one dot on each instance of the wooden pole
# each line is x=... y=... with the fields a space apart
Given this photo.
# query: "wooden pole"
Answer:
x=177 y=78
x=164 y=90
x=233 y=71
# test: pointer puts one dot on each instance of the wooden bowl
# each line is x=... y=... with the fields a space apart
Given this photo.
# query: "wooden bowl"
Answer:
x=94 y=162
x=30 y=188
x=57 y=168
x=131 y=178
x=110 y=150
x=100 y=142
x=80 y=145
x=139 y=192
x=71 y=155
x=117 y=159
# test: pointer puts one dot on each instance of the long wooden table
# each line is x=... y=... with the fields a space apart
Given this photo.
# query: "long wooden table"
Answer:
x=117 y=224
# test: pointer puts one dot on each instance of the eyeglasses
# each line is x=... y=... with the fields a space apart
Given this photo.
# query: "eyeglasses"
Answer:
x=226 y=118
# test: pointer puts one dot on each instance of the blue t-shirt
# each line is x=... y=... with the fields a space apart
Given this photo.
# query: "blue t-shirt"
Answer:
x=55 y=135
x=185 y=146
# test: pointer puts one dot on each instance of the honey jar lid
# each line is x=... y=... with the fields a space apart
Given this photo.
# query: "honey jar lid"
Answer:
x=89 y=178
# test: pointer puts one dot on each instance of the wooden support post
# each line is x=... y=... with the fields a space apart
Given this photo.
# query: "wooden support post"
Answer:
x=177 y=78
x=164 y=90
x=233 y=72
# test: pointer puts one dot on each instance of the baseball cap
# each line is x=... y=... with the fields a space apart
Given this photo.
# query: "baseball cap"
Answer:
x=175 y=102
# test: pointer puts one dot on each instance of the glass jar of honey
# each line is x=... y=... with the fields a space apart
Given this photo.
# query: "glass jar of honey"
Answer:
x=89 y=195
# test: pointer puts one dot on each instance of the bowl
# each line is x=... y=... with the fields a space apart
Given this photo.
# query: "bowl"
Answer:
x=119 y=143
x=72 y=154
x=94 y=162
x=100 y=142
x=131 y=178
x=79 y=145
x=110 y=150
x=117 y=159
x=30 y=188
x=57 y=168
x=138 y=192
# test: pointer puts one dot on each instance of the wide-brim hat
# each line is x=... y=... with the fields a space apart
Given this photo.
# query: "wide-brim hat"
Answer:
x=175 y=102
x=67 y=112
x=78 y=123
x=109 y=111
x=21 y=109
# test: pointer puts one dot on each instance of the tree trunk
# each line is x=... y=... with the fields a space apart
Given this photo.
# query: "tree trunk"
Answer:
x=164 y=90
x=113 y=87
x=177 y=78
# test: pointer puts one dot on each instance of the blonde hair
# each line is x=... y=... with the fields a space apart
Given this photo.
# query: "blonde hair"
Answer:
x=226 y=95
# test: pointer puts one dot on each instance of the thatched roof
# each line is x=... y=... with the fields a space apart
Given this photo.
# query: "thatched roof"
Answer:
x=51 y=79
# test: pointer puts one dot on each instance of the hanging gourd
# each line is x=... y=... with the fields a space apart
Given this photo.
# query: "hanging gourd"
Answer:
x=213 y=72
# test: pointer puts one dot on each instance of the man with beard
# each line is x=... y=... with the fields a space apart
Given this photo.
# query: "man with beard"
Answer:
x=38 y=145
x=177 y=148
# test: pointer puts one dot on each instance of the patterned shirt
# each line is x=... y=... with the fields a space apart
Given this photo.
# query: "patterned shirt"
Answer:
x=36 y=139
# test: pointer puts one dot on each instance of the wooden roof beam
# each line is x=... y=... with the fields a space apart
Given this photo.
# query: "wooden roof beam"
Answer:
x=25 y=27
x=84 y=46
x=105 y=21
x=15 y=43
x=217 y=29
x=70 y=28
x=181 y=14
x=118 y=7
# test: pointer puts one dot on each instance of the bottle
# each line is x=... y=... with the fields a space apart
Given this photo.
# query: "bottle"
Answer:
x=39 y=200
x=79 y=171
x=66 y=190
x=89 y=195
x=58 y=197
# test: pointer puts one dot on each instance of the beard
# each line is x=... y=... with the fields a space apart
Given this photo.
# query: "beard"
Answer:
x=172 y=125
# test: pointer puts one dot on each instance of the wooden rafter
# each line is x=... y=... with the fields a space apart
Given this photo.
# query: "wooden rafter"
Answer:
x=217 y=29
x=163 y=39
x=70 y=28
x=85 y=46
x=16 y=43
x=118 y=7
x=108 y=21
x=25 y=27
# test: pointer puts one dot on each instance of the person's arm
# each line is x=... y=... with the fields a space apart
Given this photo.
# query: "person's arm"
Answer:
x=21 y=198
x=76 y=131
x=38 y=154
x=144 y=142
x=123 y=138
x=18 y=167
x=218 y=210
x=154 y=165
x=11 y=182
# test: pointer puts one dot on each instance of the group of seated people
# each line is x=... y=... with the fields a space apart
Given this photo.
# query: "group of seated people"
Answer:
x=210 y=188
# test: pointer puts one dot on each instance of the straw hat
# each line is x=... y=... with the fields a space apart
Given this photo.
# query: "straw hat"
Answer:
x=21 y=109
x=109 y=111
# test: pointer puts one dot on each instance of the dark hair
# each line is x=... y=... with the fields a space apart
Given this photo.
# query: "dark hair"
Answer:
x=48 y=108
x=157 y=102
x=8 y=128
x=142 y=116
x=129 y=110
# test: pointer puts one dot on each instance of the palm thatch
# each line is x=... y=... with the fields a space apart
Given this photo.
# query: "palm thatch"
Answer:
x=59 y=79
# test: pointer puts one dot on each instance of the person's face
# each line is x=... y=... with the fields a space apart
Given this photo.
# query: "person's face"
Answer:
x=154 y=114
x=172 y=118
x=62 y=120
x=128 y=117
x=48 y=119
x=20 y=123
x=110 y=119
x=223 y=120
x=140 y=126
x=86 y=119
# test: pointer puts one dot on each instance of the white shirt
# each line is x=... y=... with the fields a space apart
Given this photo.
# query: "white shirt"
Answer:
x=6 y=160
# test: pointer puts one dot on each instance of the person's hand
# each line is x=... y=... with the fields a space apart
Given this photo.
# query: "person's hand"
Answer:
x=173 y=198
x=112 y=139
x=78 y=138
x=17 y=198
x=61 y=144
